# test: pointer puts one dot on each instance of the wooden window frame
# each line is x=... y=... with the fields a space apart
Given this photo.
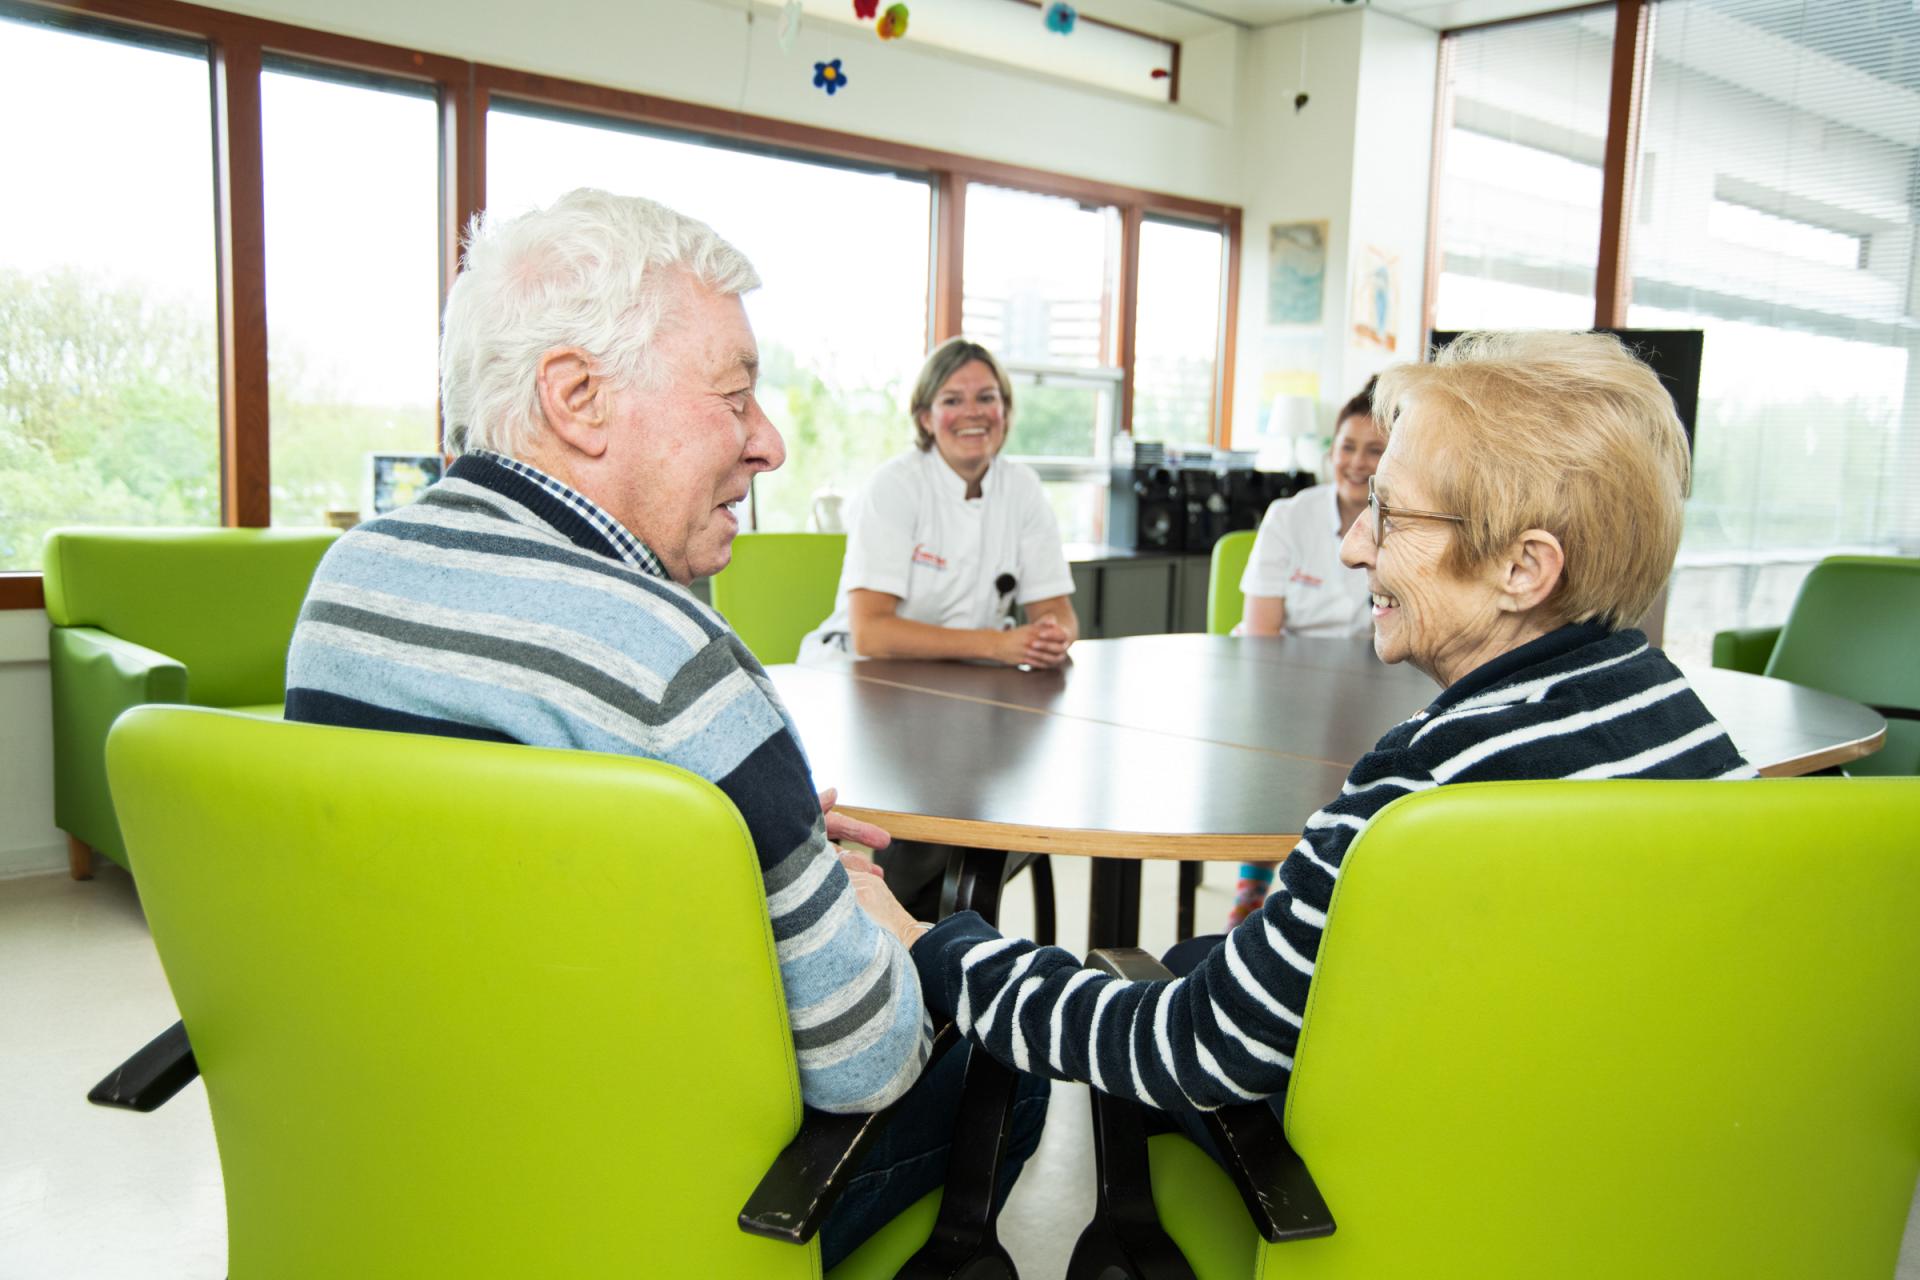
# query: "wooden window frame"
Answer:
x=237 y=44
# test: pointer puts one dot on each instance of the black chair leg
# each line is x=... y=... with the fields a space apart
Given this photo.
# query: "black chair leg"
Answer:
x=964 y=1244
x=1043 y=920
x=1189 y=890
x=1125 y=1240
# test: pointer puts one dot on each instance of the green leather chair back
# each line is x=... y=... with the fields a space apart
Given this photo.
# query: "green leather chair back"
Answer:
x=778 y=587
x=1225 y=604
x=1853 y=631
x=464 y=1009
x=222 y=602
x=1604 y=1029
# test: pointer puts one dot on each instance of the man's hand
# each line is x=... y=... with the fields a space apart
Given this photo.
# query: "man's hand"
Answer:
x=841 y=827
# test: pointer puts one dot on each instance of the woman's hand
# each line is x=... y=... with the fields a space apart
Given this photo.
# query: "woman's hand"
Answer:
x=871 y=892
x=1041 y=643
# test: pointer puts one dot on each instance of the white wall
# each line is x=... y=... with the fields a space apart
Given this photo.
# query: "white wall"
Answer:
x=705 y=53
x=28 y=840
x=1392 y=161
x=1356 y=157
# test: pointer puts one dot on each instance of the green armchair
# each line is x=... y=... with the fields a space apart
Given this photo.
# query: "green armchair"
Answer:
x=1225 y=603
x=160 y=615
x=1577 y=1029
x=563 y=1052
x=778 y=587
x=1850 y=632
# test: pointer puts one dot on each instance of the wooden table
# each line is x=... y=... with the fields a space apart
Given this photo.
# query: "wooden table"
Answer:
x=1191 y=747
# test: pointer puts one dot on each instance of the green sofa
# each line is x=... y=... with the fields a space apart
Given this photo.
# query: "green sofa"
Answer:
x=200 y=616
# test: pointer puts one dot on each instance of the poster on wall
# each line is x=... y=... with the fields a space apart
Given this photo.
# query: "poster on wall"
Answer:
x=1376 y=298
x=1296 y=272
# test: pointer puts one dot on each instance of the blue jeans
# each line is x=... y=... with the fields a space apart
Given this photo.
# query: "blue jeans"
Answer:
x=910 y=1157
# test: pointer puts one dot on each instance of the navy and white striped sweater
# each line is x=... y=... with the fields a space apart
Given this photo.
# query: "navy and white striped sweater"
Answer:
x=504 y=606
x=1581 y=702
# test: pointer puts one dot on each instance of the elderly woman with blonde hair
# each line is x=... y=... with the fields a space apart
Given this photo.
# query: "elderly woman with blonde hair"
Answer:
x=1523 y=518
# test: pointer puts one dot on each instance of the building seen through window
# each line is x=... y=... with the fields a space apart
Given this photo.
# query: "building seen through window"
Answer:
x=1775 y=211
x=1519 y=173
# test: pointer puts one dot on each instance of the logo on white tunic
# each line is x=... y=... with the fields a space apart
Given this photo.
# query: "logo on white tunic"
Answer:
x=923 y=555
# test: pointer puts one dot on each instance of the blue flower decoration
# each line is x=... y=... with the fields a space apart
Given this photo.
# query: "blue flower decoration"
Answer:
x=1061 y=16
x=829 y=76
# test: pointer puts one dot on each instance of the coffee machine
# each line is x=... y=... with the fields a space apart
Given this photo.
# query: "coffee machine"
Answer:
x=1185 y=500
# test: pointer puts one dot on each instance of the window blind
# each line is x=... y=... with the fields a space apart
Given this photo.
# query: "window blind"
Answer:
x=1774 y=209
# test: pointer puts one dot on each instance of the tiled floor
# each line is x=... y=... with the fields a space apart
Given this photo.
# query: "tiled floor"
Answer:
x=90 y=1194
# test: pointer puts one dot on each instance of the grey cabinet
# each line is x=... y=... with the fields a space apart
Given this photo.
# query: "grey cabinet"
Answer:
x=1139 y=595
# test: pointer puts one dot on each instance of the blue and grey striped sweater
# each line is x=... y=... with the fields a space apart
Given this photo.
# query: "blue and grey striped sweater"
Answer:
x=498 y=607
x=1578 y=703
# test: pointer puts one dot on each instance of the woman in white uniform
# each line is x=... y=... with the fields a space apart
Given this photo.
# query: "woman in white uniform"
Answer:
x=1295 y=582
x=946 y=541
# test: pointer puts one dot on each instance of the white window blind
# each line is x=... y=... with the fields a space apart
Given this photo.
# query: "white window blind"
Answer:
x=1774 y=209
x=1526 y=127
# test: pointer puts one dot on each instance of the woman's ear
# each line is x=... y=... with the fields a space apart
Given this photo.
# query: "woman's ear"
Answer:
x=1532 y=569
x=575 y=399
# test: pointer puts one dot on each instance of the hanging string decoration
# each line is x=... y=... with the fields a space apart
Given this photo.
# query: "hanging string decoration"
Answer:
x=789 y=25
x=1061 y=16
x=893 y=23
x=829 y=76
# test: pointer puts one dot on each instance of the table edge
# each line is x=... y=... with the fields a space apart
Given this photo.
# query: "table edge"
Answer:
x=1139 y=846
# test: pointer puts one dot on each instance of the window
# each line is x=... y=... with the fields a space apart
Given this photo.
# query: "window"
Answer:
x=1041 y=278
x=1176 y=342
x=1520 y=170
x=353 y=281
x=1776 y=212
x=841 y=315
x=109 y=372
x=1041 y=292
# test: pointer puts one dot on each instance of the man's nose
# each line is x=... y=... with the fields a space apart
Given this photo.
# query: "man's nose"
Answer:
x=766 y=450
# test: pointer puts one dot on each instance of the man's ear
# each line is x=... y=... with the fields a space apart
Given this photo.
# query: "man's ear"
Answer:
x=575 y=399
x=1531 y=570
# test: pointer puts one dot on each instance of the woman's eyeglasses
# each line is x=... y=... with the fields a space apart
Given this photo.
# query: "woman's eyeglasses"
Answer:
x=1378 y=511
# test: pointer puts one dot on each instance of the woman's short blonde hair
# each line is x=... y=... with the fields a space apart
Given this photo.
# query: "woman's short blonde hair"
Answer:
x=949 y=358
x=1566 y=432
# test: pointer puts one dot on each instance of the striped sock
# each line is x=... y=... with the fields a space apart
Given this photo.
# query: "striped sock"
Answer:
x=1251 y=890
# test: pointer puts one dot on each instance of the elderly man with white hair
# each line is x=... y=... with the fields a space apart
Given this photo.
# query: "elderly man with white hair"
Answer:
x=598 y=381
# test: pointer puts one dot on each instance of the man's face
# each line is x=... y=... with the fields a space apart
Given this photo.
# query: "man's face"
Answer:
x=682 y=453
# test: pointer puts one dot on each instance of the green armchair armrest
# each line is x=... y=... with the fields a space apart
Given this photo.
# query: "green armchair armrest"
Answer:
x=96 y=676
x=1746 y=649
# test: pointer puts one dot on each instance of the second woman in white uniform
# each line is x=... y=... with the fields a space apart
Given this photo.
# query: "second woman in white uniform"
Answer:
x=946 y=541
x=1295 y=582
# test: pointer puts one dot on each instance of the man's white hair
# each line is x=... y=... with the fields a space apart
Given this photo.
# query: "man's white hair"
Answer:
x=595 y=271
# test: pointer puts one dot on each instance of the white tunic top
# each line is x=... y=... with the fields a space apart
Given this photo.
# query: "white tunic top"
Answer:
x=1296 y=556
x=913 y=533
